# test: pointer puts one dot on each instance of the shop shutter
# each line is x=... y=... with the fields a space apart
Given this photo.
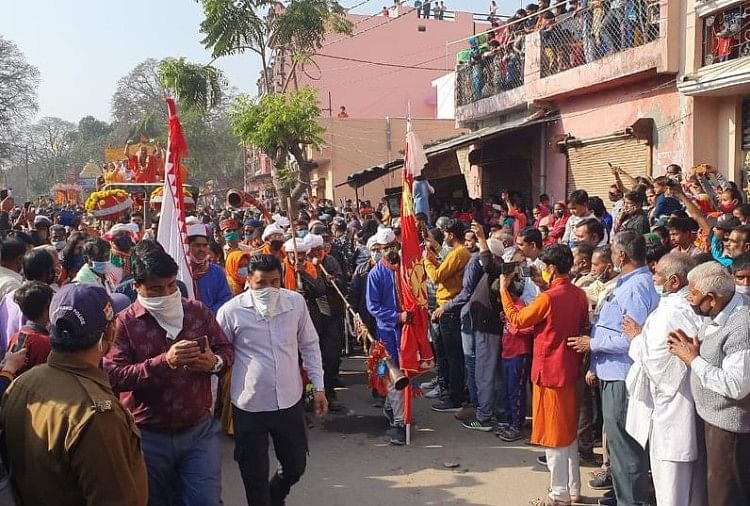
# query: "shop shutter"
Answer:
x=588 y=168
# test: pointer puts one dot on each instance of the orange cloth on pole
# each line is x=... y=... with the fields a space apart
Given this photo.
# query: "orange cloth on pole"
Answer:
x=554 y=416
x=290 y=273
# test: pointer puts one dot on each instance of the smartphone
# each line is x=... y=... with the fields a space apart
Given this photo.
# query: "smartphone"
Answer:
x=508 y=267
x=202 y=343
x=20 y=343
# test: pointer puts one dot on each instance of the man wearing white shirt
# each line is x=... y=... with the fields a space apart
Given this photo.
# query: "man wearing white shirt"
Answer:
x=719 y=359
x=270 y=328
x=11 y=264
x=661 y=412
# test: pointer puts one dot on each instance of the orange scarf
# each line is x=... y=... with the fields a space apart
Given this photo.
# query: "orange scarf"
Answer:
x=236 y=282
x=290 y=273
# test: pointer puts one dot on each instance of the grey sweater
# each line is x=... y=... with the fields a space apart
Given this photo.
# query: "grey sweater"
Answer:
x=732 y=337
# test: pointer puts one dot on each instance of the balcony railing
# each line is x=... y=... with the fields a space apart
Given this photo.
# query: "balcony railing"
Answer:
x=489 y=74
x=579 y=38
x=726 y=35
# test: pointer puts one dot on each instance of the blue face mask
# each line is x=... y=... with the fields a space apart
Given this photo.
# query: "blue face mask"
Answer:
x=99 y=267
x=301 y=234
x=242 y=272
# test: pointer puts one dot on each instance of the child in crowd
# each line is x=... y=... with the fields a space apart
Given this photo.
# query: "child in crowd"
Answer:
x=33 y=298
x=516 y=367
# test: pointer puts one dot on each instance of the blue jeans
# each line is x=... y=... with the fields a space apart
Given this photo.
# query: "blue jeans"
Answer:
x=470 y=360
x=515 y=377
x=184 y=467
x=450 y=337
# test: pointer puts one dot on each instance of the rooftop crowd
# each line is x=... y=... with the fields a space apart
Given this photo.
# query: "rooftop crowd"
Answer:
x=627 y=323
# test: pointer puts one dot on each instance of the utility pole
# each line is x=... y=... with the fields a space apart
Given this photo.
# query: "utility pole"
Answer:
x=26 y=165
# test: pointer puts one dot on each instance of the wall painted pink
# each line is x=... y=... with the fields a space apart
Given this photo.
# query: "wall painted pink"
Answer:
x=609 y=111
x=372 y=91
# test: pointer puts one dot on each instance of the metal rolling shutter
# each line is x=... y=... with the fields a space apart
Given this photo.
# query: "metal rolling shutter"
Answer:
x=588 y=169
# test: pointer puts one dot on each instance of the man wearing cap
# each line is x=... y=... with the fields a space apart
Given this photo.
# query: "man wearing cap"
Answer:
x=331 y=331
x=210 y=279
x=66 y=412
x=251 y=239
x=165 y=352
x=384 y=305
x=358 y=285
x=121 y=237
x=448 y=278
x=273 y=241
x=229 y=229
x=40 y=234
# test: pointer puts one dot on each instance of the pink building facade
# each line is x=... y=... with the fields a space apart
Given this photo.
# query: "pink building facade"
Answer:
x=581 y=105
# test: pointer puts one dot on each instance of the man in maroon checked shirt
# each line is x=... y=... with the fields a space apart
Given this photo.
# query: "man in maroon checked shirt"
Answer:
x=166 y=349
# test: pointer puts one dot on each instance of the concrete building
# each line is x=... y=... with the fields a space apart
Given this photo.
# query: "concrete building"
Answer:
x=385 y=69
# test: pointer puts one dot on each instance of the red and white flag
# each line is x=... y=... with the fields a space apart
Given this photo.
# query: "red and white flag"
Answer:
x=415 y=347
x=172 y=227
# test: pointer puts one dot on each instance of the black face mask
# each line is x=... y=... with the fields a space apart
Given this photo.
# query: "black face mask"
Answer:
x=123 y=243
x=559 y=214
x=276 y=245
x=697 y=307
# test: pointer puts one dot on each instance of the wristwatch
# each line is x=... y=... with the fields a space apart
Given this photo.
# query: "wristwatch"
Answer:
x=218 y=365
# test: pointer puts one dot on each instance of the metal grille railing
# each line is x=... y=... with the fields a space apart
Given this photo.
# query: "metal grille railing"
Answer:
x=726 y=34
x=575 y=39
x=489 y=74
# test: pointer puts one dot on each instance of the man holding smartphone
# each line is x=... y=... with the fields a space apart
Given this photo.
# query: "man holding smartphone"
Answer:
x=166 y=349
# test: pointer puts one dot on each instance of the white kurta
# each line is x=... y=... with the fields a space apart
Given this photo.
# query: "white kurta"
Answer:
x=661 y=408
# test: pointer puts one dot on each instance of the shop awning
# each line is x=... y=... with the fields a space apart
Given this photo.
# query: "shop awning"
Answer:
x=488 y=132
x=370 y=174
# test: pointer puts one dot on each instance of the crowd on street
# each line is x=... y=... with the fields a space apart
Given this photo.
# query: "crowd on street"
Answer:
x=570 y=324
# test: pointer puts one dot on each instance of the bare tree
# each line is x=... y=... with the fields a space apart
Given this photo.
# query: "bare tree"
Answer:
x=18 y=101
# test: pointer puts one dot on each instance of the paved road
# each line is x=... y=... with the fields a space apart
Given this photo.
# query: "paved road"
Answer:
x=352 y=464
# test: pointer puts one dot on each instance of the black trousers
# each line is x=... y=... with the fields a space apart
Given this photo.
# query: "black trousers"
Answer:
x=289 y=434
x=728 y=463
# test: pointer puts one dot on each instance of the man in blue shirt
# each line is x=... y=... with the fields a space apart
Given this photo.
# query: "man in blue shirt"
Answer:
x=210 y=279
x=664 y=206
x=634 y=297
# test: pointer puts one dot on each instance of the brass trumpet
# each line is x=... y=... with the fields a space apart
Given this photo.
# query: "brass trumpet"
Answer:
x=237 y=199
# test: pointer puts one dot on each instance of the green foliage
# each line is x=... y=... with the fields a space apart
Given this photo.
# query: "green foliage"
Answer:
x=194 y=85
x=302 y=25
x=278 y=122
x=232 y=26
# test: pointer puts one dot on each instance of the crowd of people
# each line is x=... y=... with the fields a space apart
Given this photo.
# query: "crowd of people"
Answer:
x=572 y=33
x=627 y=323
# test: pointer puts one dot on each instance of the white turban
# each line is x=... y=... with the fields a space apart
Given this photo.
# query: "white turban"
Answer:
x=197 y=229
x=191 y=220
x=271 y=228
x=130 y=228
x=302 y=246
x=385 y=236
x=314 y=241
x=282 y=221
x=371 y=242
x=496 y=246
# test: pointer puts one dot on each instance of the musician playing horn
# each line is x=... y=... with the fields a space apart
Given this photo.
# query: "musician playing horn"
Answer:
x=384 y=305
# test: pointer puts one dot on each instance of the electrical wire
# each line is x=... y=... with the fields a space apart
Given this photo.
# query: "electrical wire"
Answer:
x=384 y=64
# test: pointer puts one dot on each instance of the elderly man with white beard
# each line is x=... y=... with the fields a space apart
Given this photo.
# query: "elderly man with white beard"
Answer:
x=661 y=411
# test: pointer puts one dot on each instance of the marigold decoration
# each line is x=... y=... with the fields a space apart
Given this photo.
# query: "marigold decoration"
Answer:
x=108 y=204
x=158 y=194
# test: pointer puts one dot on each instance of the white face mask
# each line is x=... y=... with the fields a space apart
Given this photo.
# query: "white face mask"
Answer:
x=167 y=311
x=265 y=301
x=743 y=290
x=660 y=290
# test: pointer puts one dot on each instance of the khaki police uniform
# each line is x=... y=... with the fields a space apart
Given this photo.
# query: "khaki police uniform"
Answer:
x=69 y=441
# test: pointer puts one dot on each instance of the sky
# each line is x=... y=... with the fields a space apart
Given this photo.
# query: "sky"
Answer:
x=83 y=47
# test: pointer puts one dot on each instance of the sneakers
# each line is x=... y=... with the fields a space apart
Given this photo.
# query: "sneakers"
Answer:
x=542 y=460
x=475 y=424
x=501 y=426
x=446 y=407
x=510 y=434
x=398 y=435
x=607 y=501
x=434 y=393
x=602 y=482
x=429 y=385
x=467 y=413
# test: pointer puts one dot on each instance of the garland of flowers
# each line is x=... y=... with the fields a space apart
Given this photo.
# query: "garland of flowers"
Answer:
x=99 y=200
